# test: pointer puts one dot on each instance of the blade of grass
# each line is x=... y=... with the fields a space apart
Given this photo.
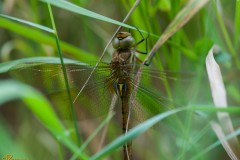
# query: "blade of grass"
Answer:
x=72 y=110
x=237 y=25
x=4 y=67
x=40 y=107
x=44 y=28
x=186 y=51
x=216 y=144
x=96 y=131
x=133 y=133
x=179 y=21
x=8 y=143
x=226 y=35
x=221 y=136
x=79 y=10
x=233 y=109
x=41 y=37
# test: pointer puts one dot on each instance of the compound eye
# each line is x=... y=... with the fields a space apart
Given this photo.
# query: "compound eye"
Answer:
x=115 y=43
x=127 y=42
x=123 y=40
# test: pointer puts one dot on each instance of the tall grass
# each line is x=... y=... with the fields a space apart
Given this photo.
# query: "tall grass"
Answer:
x=83 y=28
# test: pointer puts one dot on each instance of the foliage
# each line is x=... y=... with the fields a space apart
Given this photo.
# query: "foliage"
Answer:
x=79 y=31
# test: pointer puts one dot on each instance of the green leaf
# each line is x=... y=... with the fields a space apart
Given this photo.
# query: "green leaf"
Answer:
x=164 y=5
x=36 y=102
x=4 y=67
x=237 y=25
x=41 y=37
x=40 y=107
x=29 y=23
x=178 y=22
x=133 y=133
x=79 y=10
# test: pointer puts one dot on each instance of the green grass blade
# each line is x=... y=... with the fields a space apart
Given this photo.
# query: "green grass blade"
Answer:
x=79 y=10
x=179 y=21
x=39 y=36
x=149 y=123
x=237 y=25
x=11 y=90
x=216 y=144
x=133 y=133
x=73 y=112
x=226 y=36
x=40 y=107
x=9 y=144
x=44 y=28
x=4 y=67
x=229 y=109
x=97 y=130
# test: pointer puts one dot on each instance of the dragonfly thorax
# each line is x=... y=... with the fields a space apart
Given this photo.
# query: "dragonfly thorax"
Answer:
x=120 y=78
x=121 y=64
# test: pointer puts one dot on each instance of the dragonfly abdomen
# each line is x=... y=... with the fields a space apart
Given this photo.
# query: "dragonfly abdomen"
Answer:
x=122 y=89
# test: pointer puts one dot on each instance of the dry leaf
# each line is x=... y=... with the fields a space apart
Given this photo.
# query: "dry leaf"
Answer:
x=220 y=100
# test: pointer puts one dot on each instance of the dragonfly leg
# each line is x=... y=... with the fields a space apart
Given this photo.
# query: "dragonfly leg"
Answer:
x=138 y=60
x=139 y=42
x=143 y=38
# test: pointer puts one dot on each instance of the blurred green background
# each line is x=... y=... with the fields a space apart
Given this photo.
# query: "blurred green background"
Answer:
x=189 y=136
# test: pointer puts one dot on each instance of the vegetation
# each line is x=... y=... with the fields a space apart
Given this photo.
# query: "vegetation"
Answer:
x=38 y=120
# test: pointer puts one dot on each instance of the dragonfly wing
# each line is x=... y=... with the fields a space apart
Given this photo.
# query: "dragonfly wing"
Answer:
x=154 y=93
x=95 y=98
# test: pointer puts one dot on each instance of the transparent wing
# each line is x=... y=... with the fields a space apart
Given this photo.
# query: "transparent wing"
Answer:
x=157 y=91
x=96 y=97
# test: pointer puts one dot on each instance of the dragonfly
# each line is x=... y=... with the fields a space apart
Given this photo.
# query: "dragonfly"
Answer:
x=116 y=78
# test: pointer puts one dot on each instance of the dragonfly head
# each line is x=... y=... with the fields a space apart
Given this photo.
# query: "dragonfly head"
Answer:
x=123 y=40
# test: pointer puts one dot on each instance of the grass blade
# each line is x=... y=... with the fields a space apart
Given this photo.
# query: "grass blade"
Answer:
x=4 y=67
x=133 y=133
x=72 y=110
x=79 y=10
x=40 y=107
x=44 y=28
x=12 y=24
x=214 y=145
x=237 y=25
x=180 y=20
x=105 y=121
